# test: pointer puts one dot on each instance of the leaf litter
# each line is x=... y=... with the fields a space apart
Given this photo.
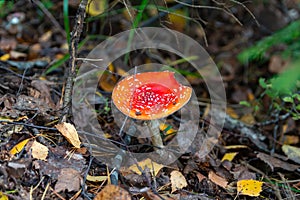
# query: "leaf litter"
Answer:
x=30 y=104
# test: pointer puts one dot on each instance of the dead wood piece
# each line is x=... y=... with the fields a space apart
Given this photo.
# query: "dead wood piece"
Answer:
x=250 y=132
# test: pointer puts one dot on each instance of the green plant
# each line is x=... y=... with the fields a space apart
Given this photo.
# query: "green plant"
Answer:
x=284 y=91
x=289 y=36
x=5 y=8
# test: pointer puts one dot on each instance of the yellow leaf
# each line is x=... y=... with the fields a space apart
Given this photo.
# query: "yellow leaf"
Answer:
x=39 y=151
x=5 y=57
x=177 y=20
x=96 y=178
x=18 y=147
x=249 y=187
x=121 y=72
x=292 y=153
x=290 y=139
x=107 y=80
x=70 y=133
x=178 y=181
x=146 y=163
x=3 y=196
x=248 y=119
x=231 y=112
x=167 y=129
x=6 y=119
x=96 y=7
x=229 y=156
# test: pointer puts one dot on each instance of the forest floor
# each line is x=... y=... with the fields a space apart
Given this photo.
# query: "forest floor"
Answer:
x=250 y=150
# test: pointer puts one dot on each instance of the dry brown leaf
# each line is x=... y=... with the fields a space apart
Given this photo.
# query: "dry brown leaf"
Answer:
x=39 y=151
x=277 y=64
x=178 y=181
x=69 y=179
x=274 y=162
x=153 y=166
x=17 y=55
x=220 y=181
x=70 y=133
x=200 y=176
x=113 y=192
x=248 y=119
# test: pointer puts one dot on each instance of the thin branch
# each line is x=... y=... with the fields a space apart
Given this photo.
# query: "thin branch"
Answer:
x=75 y=36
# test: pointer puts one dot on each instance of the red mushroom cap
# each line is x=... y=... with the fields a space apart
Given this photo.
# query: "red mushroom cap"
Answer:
x=150 y=95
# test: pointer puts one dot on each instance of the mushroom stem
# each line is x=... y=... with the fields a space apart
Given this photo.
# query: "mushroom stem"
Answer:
x=154 y=130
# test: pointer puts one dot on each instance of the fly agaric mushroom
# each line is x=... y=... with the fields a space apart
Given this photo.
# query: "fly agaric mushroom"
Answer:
x=150 y=96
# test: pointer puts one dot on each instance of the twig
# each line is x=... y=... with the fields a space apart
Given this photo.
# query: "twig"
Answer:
x=29 y=125
x=248 y=131
x=75 y=36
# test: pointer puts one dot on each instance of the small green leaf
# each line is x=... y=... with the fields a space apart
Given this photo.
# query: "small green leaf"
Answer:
x=245 y=103
x=262 y=83
x=296 y=96
x=256 y=108
x=288 y=99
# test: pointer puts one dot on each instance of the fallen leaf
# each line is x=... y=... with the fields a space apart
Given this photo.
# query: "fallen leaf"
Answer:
x=248 y=119
x=18 y=147
x=70 y=133
x=274 y=162
x=232 y=113
x=167 y=129
x=69 y=179
x=3 y=196
x=200 y=176
x=17 y=55
x=113 y=192
x=107 y=82
x=291 y=139
x=220 y=181
x=241 y=172
x=39 y=151
x=177 y=20
x=95 y=8
x=277 y=64
x=229 y=156
x=5 y=57
x=153 y=166
x=292 y=153
x=178 y=181
x=46 y=36
x=249 y=187
x=96 y=178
